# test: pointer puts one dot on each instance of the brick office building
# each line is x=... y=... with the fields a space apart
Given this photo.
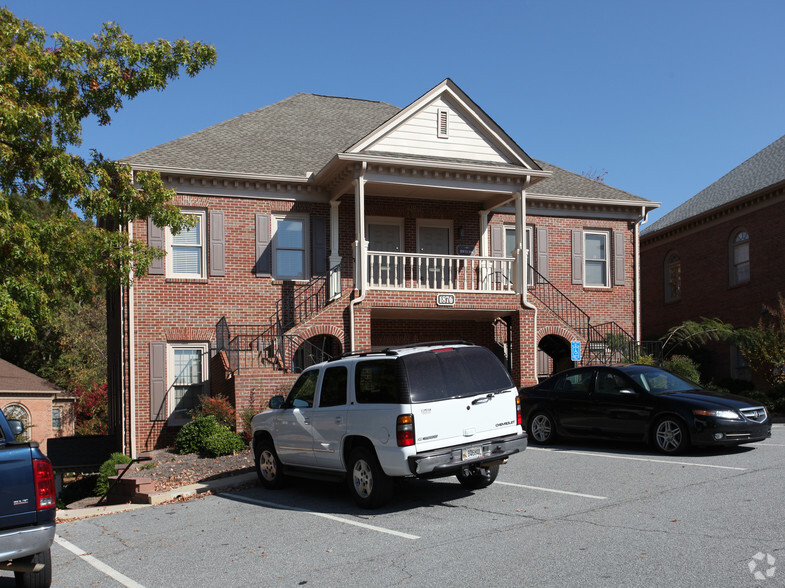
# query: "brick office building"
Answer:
x=719 y=255
x=331 y=224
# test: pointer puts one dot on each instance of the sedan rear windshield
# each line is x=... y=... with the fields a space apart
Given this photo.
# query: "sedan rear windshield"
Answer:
x=454 y=373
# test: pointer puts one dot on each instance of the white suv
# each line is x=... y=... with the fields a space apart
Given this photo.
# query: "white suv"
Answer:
x=428 y=410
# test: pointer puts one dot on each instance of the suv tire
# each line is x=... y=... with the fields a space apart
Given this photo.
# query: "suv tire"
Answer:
x=369 y=486
x=480 y=478
x=269 y=468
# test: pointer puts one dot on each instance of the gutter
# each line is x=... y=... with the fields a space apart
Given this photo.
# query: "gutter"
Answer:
x=642 y=219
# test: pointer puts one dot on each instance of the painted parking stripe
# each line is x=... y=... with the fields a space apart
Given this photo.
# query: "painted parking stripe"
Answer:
x=97 y=564
x=322 y=515
x=648 y=459
x=553 y=490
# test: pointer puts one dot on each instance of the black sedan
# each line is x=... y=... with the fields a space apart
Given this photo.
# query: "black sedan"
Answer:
x=639 y=403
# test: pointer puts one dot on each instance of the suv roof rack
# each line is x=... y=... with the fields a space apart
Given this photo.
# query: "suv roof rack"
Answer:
x=393 y=349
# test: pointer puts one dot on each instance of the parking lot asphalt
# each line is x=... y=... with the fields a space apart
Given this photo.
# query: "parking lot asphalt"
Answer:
x=575 y=514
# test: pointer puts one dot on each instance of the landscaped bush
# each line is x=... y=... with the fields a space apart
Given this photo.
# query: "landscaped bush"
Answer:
x=206 y=435
x=223 y=442
x=681 y=365
x=218 y=406
x=108 y=469
x=192 y=436
x=247 y=415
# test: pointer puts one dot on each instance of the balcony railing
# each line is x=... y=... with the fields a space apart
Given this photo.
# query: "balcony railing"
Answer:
x=454 y=273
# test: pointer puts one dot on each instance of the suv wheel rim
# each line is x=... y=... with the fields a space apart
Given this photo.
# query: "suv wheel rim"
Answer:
x=541 y=427
x=362 y=478
x=267 y=465
x=669 y=436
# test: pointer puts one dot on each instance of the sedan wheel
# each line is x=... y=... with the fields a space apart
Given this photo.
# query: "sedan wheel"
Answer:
x=670 y=435
x=541 y=428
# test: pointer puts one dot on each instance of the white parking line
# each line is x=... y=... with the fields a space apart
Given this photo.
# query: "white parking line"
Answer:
x=684 y=463
x=553 y=490
x=97 y=564
x=763 y=444
x=323 y=515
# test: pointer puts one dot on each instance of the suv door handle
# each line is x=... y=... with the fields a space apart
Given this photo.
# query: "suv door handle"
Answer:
x=338 y=420
x=483 y=399
x=306 y=420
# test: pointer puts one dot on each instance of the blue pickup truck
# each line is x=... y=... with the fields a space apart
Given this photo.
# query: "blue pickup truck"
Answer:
x=27 y=508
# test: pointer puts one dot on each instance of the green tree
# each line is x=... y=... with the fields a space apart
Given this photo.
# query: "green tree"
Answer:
x=764 y=346
x=48 y=87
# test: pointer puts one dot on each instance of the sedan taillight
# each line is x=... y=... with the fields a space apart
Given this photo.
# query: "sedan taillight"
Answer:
x=404 y=430
x=44 y=484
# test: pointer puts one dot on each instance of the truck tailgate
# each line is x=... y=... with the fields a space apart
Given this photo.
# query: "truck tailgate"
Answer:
x=17 y=488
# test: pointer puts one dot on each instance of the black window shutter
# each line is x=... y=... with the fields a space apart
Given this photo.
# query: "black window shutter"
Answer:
x=155 y=238
x=158 y=409
x=619 y=255
x=217 y=244
x=577 y=256
x=263 y=254
x=542 y=251
x=319 y=245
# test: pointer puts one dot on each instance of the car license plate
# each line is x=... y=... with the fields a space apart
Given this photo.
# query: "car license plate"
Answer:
x=471 y=453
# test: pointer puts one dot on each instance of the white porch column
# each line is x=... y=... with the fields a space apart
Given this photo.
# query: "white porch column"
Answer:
x=360 y=244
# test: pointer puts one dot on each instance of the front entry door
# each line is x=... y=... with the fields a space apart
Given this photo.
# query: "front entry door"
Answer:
x=385 y=270
x=434 y=273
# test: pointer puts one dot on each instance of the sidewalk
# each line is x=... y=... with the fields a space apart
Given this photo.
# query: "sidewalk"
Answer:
x=184 y=492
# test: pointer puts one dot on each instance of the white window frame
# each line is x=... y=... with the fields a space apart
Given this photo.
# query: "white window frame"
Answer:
x=291 y=217
x=181 y=416
x=169 y=243
x=607 y=260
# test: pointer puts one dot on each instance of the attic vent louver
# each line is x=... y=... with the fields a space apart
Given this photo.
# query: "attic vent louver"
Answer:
x=442 y=126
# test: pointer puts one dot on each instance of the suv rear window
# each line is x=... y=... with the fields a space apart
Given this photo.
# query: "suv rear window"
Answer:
x=454 y=373
x=378 y=382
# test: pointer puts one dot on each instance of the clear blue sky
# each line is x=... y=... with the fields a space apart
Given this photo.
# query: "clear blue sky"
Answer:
x=666 y=96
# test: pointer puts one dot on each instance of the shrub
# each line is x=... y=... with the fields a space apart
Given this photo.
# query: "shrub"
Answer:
x=192 y=436
x=681 y=365
x=218 y=406
x=248 y=413
x=223 y=442
x=108 y=469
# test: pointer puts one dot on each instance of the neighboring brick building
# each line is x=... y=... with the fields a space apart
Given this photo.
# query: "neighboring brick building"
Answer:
x=441 y=208
x=45 y=410
x=719 y=255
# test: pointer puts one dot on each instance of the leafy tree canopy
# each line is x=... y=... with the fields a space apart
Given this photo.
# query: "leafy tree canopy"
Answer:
x=48 y=86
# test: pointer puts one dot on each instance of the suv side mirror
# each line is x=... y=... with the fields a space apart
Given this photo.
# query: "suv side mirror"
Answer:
x=17 y=428
x=276 y=402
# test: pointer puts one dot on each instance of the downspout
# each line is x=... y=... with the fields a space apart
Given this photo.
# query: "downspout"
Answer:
x=131 y=358
x=360 y=249
x=641 y=219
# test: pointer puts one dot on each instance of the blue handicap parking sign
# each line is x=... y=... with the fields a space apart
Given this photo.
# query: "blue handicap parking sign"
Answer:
x=575 y=350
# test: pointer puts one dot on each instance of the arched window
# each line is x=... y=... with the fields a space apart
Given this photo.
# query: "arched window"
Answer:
x=672 y=277
x=739 y=257
x=17 y=412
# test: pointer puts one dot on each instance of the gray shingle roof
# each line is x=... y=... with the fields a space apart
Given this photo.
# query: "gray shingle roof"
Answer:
x=297 y=135
x=567 y=183
x=765 y=168
x=302 y=133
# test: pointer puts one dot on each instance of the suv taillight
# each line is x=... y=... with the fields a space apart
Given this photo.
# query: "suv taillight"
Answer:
x=44 y=484
x=518 y=416
x=404 y=430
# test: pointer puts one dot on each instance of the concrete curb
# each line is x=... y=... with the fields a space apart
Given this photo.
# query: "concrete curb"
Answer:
x=184 y=492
